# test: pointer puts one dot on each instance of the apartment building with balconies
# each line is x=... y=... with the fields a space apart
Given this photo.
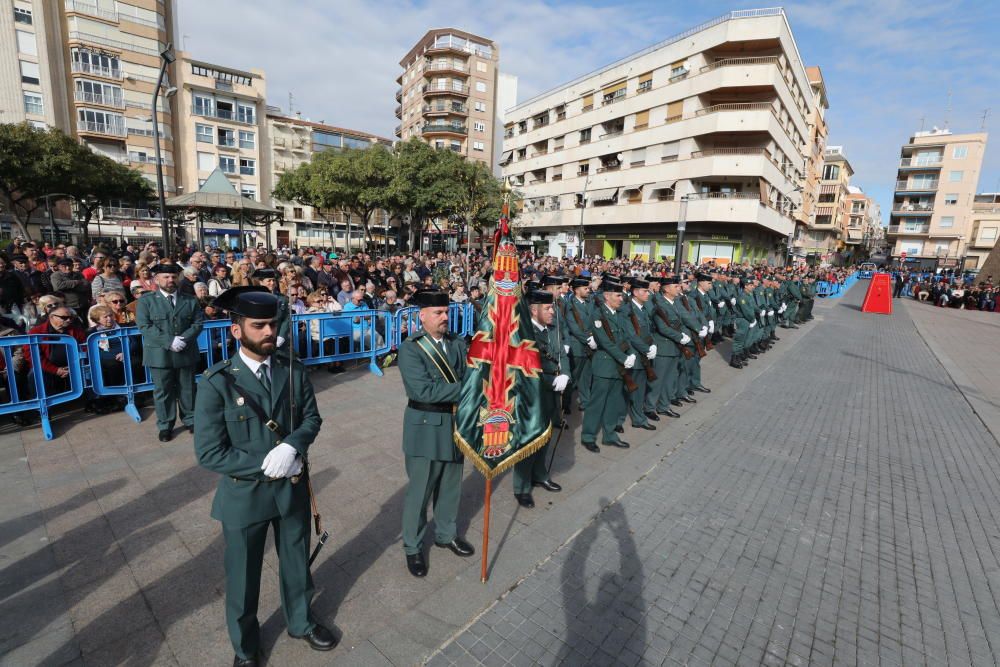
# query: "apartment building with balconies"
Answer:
x=862 y=225
x=985 y=226
x=294 y=140
x=805 y=214
x=88 y=68
x=827 y=233
x=710 y=124
x=448 y=93
x=931 y=219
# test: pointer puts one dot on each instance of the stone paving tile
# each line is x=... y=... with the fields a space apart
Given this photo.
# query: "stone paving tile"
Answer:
x=842 y=511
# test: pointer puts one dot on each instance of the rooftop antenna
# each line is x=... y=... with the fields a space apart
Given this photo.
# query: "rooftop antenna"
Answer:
x=922 y=119
x=290 y=110
x=986 y=114
x=947 y=111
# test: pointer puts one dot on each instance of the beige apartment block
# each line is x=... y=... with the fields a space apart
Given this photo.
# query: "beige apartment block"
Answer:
x=813 y=155
x=827 y=233
x=448 y=93
x=985 y=226
x=711 y=123
x=862 y=226
x=931 y=219
x=89 y=69
x=294 y=140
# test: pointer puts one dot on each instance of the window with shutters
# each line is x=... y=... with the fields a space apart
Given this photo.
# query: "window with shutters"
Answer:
x=585 y=136
x=583 y=168
x=588 y=102
x=638 y=157
x=675 y=111
x=641 y=120
x=671 y=151
x=645 y=83
x=612 y=94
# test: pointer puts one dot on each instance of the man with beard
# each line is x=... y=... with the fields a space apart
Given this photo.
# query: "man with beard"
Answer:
x=170 y=323
x=260 y=446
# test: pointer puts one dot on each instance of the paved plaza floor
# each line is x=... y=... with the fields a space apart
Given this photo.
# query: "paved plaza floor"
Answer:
x=835 y=502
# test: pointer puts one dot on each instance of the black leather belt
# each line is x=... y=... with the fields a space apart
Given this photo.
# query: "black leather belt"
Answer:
x=430 y=407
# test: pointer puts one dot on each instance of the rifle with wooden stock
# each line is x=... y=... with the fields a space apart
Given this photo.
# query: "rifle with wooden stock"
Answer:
x=698 y=346
x=709 y=345
x=579 y=323
x=684 y=349
x=647 y=365
x=630 y=385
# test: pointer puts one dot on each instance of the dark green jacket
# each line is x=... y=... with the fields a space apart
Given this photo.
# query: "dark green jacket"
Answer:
x=554 y=359
x=638 y=339
x=429 y=434
x=666 y=335
x=230 y=439
x=609 y=355
x=578 y=334
x=159 y=323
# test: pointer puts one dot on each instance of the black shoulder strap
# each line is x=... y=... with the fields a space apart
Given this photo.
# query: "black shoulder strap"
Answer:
x=254 y=405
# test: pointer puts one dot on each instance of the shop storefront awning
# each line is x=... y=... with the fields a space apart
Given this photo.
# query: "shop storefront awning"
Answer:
x=661 y=185
x=602 y=195
x=505 y=158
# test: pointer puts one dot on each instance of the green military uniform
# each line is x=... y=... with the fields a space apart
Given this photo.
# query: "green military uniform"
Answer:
x=640 y=336
x=580 y=324
x=667 y=336
x=607 y=396
x=172 y=372
x=793 y=294
x=808 y=299
x=691 y=368
x=746 y=315
x=554 y=362
x=432 y=378
x=232 y=440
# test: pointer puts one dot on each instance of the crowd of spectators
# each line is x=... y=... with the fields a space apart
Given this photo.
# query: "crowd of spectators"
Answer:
x=948 y=289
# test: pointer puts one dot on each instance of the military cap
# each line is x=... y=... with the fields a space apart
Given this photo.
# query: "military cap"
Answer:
x=703 y=277
x=264 y=274
x=579 y=282
x=654 y=278
x=639 y=283
x=248 y=301
x=540 y=296
x=671 y=280
x=165 y=268
x=430 y=298
x=19 y=258
x=552 y=280
x=532 y=285
x=608 y=286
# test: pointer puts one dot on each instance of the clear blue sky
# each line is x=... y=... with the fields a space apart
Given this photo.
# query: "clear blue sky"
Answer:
x=888 y=64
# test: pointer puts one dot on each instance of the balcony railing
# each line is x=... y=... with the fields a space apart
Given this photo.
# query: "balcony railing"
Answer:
x=97 y=70
x=736 y=106
x=916 y=185
x=399 y=131
x=920 y=162
x=399 y=111
x=100 y=128
x=913 y=208
x=454 y=107
x=134 y=213
x=444 y=128
x=908 y=229
x=724 y=195
x=454 y=88
x=116 y=101
x=91 y=9
x=148 y=159
x=158 y=23
x=399 y=95
x=741 y=62
x=454 y=66
x=222 y=114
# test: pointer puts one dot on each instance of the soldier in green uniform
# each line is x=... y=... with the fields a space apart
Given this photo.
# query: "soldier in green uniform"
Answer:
x=432 y=364
x=170 y=323
x=640 y=336
x=808 y=298
x=610 y=362
x=268 y=279
x=746 y=322
x=556 y=285
x=670 y=340
x=533 y=471
x=793 y=297
x=697 y=327
x=702 y=300
x=254 y=425
x=579 y=324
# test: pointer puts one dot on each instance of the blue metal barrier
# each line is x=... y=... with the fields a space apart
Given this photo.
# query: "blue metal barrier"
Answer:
x=215 y=342
x=323 y=338
x=864 y=275
x=134 y=376
x=36 y=395
x=461 y=321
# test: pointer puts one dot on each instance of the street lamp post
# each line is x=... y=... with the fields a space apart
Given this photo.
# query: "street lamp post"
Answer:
x=166 y=57
x=48 y=211
x=583 y=207
x=681 y=227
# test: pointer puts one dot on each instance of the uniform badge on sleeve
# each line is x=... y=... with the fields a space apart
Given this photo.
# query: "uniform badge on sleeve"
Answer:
x=239 y=400
x=597 y=323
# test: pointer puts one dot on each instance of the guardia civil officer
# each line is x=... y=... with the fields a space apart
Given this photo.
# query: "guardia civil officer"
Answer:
x=432 y=364
x=170 y=323
x=254 y=425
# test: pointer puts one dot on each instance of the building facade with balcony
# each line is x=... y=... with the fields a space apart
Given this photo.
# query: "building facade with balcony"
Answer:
x=294 y=140
x=710 y=123
x=985 y=227
x=88 y=68
x=862 y=228
x=932 y=209
x=827 y=233
x=448 y=93
x=814 y=149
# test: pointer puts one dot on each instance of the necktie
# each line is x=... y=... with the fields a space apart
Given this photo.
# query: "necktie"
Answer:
x=440 y=345
x=171 y=299
x=265 y=378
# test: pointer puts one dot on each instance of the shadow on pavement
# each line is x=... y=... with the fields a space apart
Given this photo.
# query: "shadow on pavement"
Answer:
x=615 y=618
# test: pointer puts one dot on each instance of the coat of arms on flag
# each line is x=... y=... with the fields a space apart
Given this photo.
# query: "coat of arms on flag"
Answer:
x=499 y=420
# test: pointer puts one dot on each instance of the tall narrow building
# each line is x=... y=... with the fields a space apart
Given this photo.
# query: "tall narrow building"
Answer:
x=931 y=223
x=448 y=93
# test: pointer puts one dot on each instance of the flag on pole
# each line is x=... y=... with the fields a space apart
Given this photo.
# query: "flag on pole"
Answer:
x=499 y=420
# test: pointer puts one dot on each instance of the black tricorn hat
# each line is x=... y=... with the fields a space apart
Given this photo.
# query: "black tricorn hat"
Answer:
x=639 y=283
x=553 y=280
x=703 y=277
x=540 y=296
x=671 y=280
x=264 y=274
x=430 y=298
x=253 y=302
x=165 y=268
x=608 y=286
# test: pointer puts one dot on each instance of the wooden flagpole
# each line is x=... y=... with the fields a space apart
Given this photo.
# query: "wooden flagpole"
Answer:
x=486 y=529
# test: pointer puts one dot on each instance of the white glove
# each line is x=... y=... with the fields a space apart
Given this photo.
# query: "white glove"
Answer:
x=770 y=313
x=732 y=300
x=279 y=341
x=652 y=352
x=560 y=382
x=753 y=324
x=702 y=332
x=591 y=343
x=279 y=461
x=566 y=349
x=629 y=361
x=296 y=468
x=178 y=344
x=722 y=304
x=711 y=326
x=685 y=339
x=763 y=313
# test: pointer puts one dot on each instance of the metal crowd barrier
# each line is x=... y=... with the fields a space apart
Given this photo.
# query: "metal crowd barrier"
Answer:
x=95 y=366
x=31 y=392
x=865 y=275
